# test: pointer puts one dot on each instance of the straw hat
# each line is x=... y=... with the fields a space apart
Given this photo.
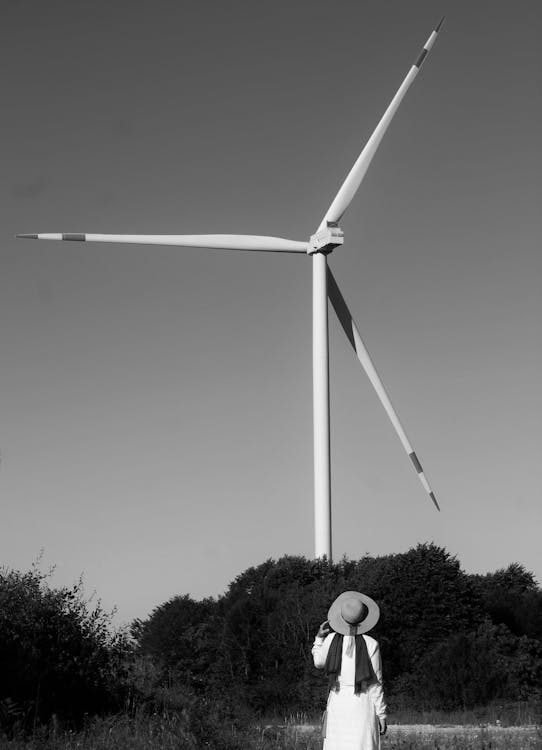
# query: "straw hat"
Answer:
x=353 y=613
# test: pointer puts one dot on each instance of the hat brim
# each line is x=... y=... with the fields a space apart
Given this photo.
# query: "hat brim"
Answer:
x=339 y=624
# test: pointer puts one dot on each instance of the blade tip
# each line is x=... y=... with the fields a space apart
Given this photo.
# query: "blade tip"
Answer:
x=434 y=499
x=27 y=236
x=437 y=29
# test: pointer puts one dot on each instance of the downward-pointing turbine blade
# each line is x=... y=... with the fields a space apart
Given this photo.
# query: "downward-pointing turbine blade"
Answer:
x=352 y=182
x=255 y=243
x=353 y=335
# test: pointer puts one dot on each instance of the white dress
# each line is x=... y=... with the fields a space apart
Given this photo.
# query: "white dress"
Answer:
x=352 y=720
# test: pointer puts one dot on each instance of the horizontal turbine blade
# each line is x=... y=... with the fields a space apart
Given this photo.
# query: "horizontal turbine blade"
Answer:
x=353 y=335
x=211 y=241
x=352 y=182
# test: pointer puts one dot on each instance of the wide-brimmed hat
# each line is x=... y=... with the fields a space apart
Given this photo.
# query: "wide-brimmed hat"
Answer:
x=353 y=613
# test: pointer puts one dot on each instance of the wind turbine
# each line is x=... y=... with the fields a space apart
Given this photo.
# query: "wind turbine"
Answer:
x=327 y=237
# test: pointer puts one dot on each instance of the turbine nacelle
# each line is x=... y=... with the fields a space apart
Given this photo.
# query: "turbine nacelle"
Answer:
x=326 y=239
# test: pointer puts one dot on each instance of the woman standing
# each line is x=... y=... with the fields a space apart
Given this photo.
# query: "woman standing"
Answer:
x=356 y=710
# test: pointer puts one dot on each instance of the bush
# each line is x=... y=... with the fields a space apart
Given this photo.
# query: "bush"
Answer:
x=180 y=637
x=57 y=654
x=474 y=669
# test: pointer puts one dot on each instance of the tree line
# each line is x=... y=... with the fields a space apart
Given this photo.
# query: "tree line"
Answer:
x=449 y=640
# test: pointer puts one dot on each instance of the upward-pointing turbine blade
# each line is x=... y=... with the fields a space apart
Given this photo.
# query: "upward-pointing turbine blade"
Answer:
x=212 y=241
x=352 y=182
x=353 y=335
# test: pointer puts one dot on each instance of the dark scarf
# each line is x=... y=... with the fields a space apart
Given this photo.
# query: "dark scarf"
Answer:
x=364 y=669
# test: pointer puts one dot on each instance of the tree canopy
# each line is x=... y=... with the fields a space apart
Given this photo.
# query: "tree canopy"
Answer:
x=448 y=639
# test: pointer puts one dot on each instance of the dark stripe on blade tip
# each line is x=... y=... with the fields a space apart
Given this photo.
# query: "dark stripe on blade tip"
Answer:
x=341 y=310
x=434 y=499
x=74 y=237
x=421 y=58
x=417 y=465
x=440 y=24
x=27 y=236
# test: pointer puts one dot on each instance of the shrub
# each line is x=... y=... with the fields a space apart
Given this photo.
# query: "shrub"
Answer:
x=57 y=654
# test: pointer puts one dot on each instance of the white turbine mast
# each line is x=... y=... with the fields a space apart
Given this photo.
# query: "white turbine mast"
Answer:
x=320 y=245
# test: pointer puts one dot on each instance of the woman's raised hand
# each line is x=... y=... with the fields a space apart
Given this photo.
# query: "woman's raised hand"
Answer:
x=323 y=630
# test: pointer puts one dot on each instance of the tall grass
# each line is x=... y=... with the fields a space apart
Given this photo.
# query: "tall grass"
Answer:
x=168 y=732
x=465 y=738
x=516 y=713
x=113 y=733
x=179 y=723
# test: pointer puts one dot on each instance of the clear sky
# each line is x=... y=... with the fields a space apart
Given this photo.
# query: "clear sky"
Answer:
x=156 y=403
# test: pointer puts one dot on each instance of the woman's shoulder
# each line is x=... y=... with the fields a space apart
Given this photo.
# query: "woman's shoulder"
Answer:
x=325 y=640
x=372 y=644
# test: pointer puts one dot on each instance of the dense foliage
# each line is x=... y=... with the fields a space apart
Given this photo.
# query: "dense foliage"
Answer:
x=449 y=641
x=57 y=654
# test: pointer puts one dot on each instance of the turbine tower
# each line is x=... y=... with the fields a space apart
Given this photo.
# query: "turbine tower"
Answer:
x=327 y=237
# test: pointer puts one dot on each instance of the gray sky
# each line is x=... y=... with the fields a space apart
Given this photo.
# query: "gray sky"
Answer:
x=156 y=403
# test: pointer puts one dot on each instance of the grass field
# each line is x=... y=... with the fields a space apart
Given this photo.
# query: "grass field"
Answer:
x=159 y=733
x=420 y=736
x=460 y=737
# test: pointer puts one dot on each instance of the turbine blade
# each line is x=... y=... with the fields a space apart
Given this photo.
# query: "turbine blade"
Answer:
x=213 y=241
x=352 y=182
x=353 y=335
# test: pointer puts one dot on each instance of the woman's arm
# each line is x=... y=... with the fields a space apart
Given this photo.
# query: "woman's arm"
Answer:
x=376 y=690
x=321 y=645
